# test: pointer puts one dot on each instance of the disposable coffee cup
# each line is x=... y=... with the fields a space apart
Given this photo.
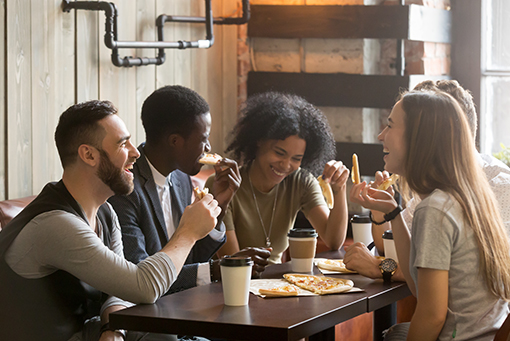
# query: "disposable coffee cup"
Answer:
x=235 y=279
x=302 y=245
x=362 y=229
x=389 y=245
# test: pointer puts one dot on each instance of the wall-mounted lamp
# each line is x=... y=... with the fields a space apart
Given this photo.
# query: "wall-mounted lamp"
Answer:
x=110 y=36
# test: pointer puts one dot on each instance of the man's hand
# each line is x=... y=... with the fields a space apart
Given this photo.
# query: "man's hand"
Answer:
x=259 y=257
x=226 y=182
x=200 y=217
x=359 y=258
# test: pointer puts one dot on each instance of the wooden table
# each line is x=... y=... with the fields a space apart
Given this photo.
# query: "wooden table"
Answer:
x=200 y=311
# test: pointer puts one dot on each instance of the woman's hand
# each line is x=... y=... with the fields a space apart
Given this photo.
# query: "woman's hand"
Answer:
x=336 y=174
x=372 y=198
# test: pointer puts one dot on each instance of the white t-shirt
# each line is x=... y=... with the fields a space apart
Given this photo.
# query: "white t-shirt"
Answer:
x=442 y=241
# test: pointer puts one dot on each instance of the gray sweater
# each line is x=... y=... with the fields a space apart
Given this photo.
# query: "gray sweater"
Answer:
x=59 y=240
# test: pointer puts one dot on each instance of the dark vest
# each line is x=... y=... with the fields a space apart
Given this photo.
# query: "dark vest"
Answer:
x=53 y=307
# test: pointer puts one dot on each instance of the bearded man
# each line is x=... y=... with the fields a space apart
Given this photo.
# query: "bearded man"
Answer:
x=61 y=259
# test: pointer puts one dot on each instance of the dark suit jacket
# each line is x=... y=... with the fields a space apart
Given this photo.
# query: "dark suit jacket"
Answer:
x=143 y=224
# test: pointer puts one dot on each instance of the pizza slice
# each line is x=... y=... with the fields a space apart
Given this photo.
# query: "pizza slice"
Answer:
x=388 y=182
x=334 y=265
x=210 y=159
x=327 y=192
x=286 y=290
x=320 y=285
x=200 y=193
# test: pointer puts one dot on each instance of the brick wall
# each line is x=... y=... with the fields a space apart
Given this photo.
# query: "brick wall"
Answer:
x=357 y=56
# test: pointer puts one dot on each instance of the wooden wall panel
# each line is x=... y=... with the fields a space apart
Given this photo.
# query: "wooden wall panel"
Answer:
x=52 y=74
x=2 y=100
x=182 y=58
x=19 y=99
x=53 y=59
x=118 y=84
x=146 y=75
x=214 y=95
x=89 y=35
x=165 y=74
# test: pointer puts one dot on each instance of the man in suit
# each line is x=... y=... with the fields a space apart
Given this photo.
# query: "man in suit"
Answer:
x=177 y=124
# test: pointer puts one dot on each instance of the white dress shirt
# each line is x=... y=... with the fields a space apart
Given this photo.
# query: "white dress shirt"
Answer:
x=163 y=187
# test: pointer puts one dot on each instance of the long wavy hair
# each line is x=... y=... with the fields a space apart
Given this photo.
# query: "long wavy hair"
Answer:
x=441 y=154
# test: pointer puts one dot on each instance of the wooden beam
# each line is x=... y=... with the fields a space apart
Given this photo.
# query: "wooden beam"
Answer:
x=336 y=90
x=410 y=22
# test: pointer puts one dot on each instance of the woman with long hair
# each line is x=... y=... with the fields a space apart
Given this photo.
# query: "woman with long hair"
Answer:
x=457 y=260
x=283 y=143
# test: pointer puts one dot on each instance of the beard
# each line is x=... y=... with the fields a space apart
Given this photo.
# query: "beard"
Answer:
x=115 y=178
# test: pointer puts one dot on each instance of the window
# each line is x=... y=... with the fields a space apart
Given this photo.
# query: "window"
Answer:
x=495 y=76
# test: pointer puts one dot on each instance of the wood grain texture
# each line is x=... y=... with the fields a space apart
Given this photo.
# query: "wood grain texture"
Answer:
x=19 y=99
x=89 y=34
x=118 y=84
x=357 y=21
x=52 y=59
x=146 y=75
x=52 y=73
x=165 y=73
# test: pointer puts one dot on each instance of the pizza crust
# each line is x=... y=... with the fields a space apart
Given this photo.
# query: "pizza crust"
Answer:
x=355 y=170
x=210 y=159
x=283 y=291
x=320 y=285
x=334 y=265
x=327 y=192
x=200 y=193
x=388 y=182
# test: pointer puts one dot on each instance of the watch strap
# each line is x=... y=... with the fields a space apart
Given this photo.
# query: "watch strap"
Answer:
x=387 y=276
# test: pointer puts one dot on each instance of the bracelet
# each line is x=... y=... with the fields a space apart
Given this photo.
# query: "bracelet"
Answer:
x=211 y=271
x=106 y=327
x=393 y=214
x=373 y=221
x=387 y=217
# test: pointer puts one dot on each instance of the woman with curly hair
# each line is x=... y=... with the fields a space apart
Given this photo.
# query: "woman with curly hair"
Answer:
x=283 y=142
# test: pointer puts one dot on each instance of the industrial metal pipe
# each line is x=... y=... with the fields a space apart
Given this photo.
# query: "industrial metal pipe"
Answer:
x=110 y=37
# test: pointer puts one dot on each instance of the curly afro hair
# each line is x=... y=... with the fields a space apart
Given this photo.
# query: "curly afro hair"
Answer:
x=276 y=116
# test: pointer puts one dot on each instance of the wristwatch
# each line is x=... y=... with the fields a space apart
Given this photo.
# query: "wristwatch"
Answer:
x=388 y=267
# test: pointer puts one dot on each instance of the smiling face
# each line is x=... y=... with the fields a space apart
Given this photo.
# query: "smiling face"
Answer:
x=275 y=160
x=393 y=140
x=196 y=145
x=117 y=156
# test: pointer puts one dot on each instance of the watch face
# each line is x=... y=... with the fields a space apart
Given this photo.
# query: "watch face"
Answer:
x=388 y=265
